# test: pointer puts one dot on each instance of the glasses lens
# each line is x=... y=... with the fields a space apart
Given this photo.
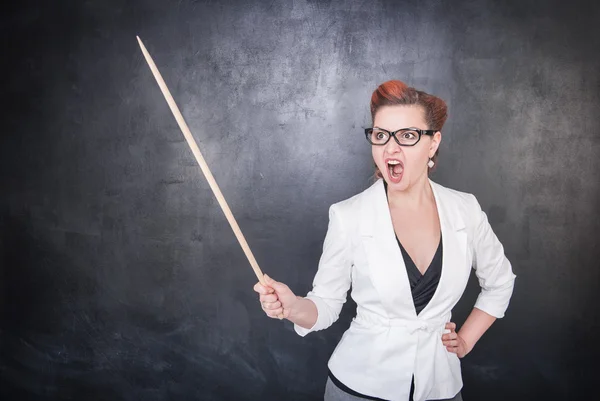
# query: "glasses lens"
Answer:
x=378 y=137
x=408 y=137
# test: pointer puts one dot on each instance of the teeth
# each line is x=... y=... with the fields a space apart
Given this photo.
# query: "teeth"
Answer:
x=394 y=162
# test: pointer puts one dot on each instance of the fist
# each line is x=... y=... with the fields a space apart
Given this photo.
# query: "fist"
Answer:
x=276 y=299
x=454 y=342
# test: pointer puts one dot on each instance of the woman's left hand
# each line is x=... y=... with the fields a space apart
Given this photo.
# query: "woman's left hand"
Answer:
x=454 y=342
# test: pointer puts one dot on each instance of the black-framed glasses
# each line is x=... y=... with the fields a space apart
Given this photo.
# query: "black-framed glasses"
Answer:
x=403 y=137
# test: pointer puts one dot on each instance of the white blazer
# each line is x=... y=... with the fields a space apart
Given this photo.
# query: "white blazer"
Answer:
x=387 y=342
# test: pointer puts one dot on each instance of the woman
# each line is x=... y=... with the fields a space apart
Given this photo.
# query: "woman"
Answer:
x=406 y=246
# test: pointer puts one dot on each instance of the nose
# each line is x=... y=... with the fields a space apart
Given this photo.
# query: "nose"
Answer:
x=392 y=146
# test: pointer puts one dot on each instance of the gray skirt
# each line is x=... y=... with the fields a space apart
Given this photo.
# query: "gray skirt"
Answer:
x=334 y=393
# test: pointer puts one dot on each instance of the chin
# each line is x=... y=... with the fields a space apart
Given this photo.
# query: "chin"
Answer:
x=401 y=186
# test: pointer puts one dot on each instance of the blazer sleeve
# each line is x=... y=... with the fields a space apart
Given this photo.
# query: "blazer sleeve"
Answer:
x=333 y=277
x=492 y=268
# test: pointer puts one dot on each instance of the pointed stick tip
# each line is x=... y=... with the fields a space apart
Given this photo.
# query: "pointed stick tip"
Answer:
x=141 y=43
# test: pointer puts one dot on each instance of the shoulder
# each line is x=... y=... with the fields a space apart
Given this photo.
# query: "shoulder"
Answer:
x=453 y=195
x=354 y=203
x=461 y=199
x=353 y=209
x=463 y=203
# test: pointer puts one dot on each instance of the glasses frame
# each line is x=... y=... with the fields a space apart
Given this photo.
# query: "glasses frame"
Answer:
x=421 y=132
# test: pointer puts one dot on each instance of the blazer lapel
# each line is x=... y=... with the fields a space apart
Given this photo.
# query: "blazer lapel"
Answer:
x=386 y=265
x=454 y=257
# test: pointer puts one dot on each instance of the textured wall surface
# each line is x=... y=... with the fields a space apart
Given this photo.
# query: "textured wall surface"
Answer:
x=120 y=278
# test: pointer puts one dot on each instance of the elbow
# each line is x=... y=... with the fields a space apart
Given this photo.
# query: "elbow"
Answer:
x=494 y=300
x=328 y=312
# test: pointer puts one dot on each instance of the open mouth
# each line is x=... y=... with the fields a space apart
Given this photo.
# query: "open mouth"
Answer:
x=395 y=170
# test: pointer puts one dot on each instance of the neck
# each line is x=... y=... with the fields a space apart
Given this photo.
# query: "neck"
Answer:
x=413 y=196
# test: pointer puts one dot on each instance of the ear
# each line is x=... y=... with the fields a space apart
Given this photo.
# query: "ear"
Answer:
x=435 y=143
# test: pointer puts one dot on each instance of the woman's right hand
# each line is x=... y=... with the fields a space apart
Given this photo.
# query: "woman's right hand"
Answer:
x=276 y=299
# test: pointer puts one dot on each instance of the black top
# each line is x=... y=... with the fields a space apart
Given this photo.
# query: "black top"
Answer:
x=422 y=287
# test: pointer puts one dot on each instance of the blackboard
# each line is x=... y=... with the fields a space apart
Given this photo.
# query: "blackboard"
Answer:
x=120 y=277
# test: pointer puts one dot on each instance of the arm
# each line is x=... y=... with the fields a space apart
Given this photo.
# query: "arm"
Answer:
x=476 y=324
x=496 y=279
x=304 y=313
x=492 y=268
x=331 y=282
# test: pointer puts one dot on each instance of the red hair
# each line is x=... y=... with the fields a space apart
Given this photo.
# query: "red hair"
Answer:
x=393 y=93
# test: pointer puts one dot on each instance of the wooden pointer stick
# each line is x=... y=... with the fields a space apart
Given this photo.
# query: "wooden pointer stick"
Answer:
x=202 y=163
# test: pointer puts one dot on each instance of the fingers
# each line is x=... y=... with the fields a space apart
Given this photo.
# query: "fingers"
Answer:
x=276 y=285
x=274 y=313
x=261 y=289
x=450 y=343
x=270 y=293
x=274 y=309
x=459 y=351
x=451 y=326
x=280 y=313
x=450 y=340
x=268 y=298
x=454 y=343
x=271 y=305
x=450 y=336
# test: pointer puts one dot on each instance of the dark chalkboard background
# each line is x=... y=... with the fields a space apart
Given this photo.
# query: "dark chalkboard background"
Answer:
x=120 y=277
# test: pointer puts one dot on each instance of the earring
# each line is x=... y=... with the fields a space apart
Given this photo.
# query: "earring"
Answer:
x=430 y=163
